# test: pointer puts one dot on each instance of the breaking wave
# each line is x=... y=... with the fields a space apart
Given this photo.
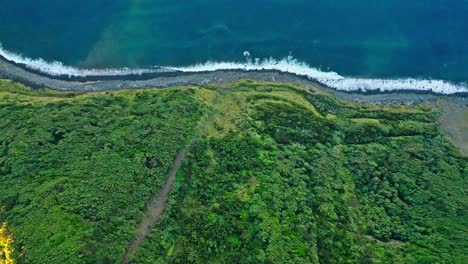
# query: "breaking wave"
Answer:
x=333 y=79
x=56 y=68
x=287 y=65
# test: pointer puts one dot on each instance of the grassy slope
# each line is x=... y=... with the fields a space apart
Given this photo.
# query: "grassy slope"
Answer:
x=77 y=169
x=277 y=175
x=284 y=176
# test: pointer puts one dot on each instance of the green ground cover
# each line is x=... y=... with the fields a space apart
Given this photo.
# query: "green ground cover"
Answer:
x=276 y=174
x=77 y=169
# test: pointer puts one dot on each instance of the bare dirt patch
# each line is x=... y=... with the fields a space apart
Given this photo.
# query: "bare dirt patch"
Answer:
x=454 y=122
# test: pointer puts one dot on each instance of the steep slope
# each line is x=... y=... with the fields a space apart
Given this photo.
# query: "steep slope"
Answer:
x=277 y=174
x=78 y=169
x=286 y=176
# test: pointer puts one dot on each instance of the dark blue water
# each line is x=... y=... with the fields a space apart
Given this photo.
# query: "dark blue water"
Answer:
x=367 y=38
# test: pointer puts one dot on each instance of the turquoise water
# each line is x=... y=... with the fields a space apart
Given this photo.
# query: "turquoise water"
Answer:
x=365 y=38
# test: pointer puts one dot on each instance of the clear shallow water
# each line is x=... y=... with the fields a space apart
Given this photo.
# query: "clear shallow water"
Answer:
x=425 y=39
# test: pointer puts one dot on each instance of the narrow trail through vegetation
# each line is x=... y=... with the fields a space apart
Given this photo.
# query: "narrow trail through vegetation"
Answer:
x=157 y=204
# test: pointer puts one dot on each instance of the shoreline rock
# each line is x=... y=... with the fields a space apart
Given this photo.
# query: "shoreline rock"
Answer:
x=20 y=73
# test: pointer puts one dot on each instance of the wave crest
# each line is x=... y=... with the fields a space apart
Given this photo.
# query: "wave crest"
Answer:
x=287 y=65
x=332 y=79
x=56 y=68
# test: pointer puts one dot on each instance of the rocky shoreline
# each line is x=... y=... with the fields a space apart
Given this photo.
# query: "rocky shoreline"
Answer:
x=452 y=119
x=19 y=73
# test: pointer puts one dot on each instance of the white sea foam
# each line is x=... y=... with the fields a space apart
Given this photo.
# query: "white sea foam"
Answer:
x=288 y=65
x=56 y=68
x=386 y=85
x=284 y=65
x=332 y=79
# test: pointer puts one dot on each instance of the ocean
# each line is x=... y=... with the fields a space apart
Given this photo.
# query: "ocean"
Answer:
x=348 y=45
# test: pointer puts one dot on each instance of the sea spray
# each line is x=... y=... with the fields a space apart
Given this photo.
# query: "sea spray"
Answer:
x=287 y=65
x=388 y=85
x=56 y=68
x=332 y=79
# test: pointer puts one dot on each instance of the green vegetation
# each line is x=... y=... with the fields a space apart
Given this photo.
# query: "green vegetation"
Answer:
x=77 y=169
x=277 y=174
x=6 y=249
x=309 y=179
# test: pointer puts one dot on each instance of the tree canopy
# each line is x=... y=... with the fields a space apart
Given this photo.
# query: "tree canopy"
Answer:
x=276 y=174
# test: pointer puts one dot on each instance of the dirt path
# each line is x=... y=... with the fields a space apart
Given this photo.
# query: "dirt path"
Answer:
x=156 y=206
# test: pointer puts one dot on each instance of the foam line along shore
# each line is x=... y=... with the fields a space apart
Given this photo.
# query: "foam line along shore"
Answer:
x=58 y=70
x=287 y=70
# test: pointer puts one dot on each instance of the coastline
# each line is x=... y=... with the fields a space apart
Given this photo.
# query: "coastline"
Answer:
x=36 y=80
x=454 y=130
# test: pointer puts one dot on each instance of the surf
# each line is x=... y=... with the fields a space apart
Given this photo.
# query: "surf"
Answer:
x=56 y=68
x=332 y=79
x=285 y=65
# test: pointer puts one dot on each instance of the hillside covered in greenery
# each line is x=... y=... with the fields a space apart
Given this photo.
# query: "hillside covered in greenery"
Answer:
x=274 y=174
